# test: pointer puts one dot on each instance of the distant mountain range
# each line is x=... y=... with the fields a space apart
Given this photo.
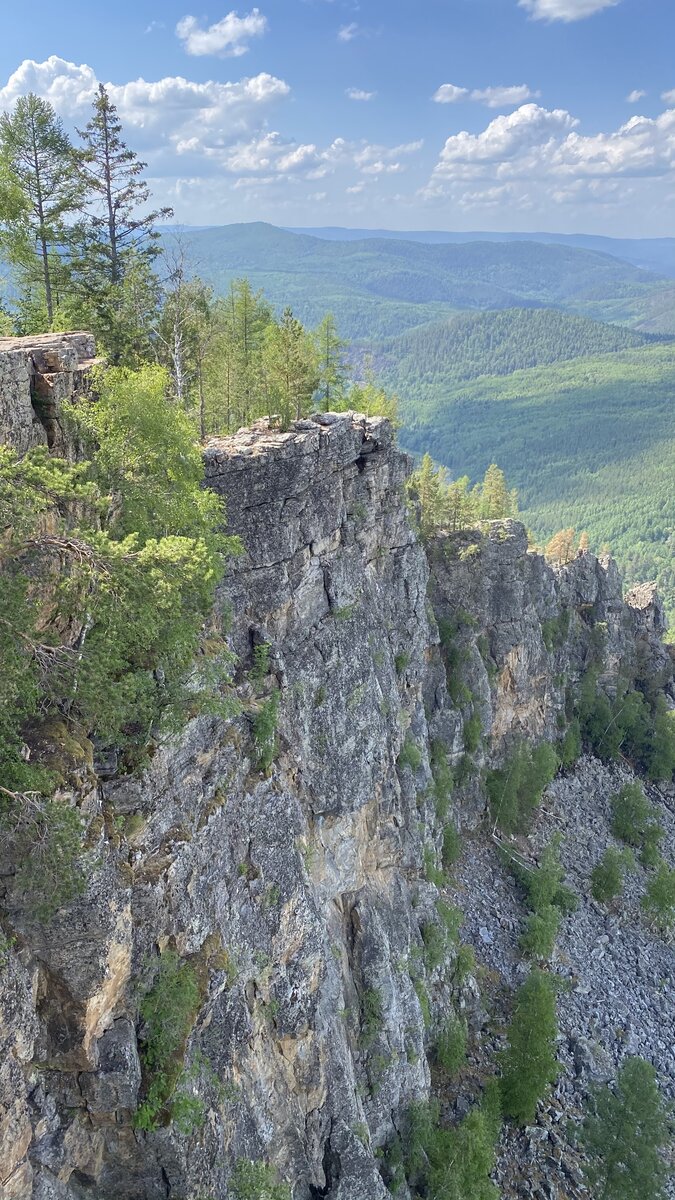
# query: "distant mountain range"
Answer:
x=379 y=287
x=652 y=254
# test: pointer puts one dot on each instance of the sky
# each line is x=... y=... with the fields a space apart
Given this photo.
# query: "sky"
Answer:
x=539 y=115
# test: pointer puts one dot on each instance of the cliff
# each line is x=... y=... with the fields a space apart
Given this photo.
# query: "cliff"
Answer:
x=302 y=894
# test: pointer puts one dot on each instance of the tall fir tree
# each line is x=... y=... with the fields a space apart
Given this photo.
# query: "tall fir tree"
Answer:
x=41 y=190
x=118 y=237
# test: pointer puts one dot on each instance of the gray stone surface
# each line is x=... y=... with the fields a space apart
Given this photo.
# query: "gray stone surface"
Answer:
x=300 y=894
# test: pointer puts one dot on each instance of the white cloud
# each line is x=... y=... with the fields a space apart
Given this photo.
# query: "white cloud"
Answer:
x=347 y=33
x=536 y=143
x=668 y=97
x=635 y=95
x=359 y=94
x=169 y=116
x=154 y=25
x=227 y=38
x=449 y=93
x=565 y=10
x=503 y=97
x=492 y=97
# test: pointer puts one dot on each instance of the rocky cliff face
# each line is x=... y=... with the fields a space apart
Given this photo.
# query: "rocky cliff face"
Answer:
x=302 y=895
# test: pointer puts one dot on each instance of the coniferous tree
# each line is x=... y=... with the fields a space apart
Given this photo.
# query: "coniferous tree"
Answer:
x=40 y=191
x=624 y=1136
x=496 y=502
x=332 y=367
x=529 y=1063
x=118 y=238
x=290 y=366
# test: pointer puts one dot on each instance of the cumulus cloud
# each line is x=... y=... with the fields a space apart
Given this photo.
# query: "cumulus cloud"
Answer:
x=170 y=116
x=668 y=97
x=359 y=94
x=534 y=142
x=449 y=93
x=492 y=97
x=565 y=10
x=635 y=95
x=227 y=38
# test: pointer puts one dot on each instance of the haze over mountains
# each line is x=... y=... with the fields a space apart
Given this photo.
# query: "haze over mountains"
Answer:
x=546 y=353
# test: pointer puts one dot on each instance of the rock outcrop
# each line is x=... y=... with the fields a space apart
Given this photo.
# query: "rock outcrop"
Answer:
x=302 y=895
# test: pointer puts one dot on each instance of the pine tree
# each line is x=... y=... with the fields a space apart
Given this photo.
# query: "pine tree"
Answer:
x=249 y=317
x=430 y=486
x=40 y=191
x=624 y=1136
x=332 y=366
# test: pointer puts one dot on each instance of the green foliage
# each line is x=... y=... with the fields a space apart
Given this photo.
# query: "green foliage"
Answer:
x=452 y=847
x=410 y=755
x=291 y=368
x=547 y=896
x=264 y=732
x=432 y=873
x=372 y=1017
x=451 y=1045
x=554 y=630
x=640 y=729
x=634 y=822
x=169 y=1011
x=401 y=662
x=607 y=877
x=473 y=731
x=529 y=1064
x=541 y=931
x=450 y=505
x=261 y=662
x=659 y=899
x=515 y=790
x=625 y=1135
x=435 y=945
x=569 y=749
x=45 y=837
x=452 y=1163
x=257 y=1181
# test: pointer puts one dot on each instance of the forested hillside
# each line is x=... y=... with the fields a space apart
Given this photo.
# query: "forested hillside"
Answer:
x=378 y=288
x=421 y=363
x=588 y=443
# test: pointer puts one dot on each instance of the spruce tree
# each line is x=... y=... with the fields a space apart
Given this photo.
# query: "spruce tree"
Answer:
x=40 y=191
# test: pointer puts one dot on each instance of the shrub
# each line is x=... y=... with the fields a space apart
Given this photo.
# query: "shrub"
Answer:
x=452 y=846
x=401 y=662
x=541 y=931
x=624 y=1137
x=265 y=732
x=529 y=1064
x=515 y=790
x=372 y=1016
x=432 y=873
x=257 y=1181
x=607 y=877
x=634 y=822
x=452 y=1163
x=435 y=941
x=644 y=732
x=261 y=661
x=473 y=731
x=570 y=747
x=452 y=1045
x=410 y=755
x=659 y=899
x=169 y=1011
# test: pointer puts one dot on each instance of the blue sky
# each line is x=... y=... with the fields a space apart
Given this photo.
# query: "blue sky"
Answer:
x=409 y=114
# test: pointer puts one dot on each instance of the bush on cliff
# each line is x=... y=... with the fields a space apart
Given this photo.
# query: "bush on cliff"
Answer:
x=515 y=790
